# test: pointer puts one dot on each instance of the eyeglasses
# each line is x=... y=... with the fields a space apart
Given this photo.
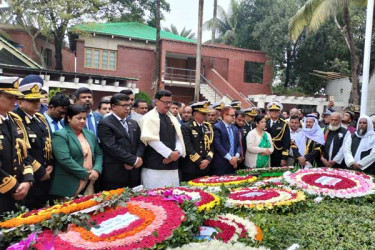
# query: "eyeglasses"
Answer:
x=165 y=102
x=124 y=105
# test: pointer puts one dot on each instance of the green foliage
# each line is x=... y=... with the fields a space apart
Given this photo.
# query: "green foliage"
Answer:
x=143 y=96
x=142 y=11
x=54 y=91
x=184 y=32
x=331 y=224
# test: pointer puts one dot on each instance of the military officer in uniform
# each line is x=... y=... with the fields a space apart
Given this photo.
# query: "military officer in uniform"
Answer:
x=280 y=133
x=16 y=174
x=198 y=137
x=40 y=153
x=250 y=114
x=236 y=105
x=218 y=106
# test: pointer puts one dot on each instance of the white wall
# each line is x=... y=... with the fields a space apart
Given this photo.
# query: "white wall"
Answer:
x=3 y=4
x=335 y=87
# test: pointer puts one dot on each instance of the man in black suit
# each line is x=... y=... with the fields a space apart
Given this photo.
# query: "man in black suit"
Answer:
x=40 y=152
x=122 y=147
x=198 y=138
x=16 y=175
x=280 y=133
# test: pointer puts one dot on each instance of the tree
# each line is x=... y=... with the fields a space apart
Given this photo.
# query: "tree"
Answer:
x=225 y=23
x=158 y=52
x=142 y=11
x=54 y=17
x=314 y=13
x=184 y=32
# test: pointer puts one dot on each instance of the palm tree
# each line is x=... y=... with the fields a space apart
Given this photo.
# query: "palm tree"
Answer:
x=226 y=23
x=184 y=32
x=314 y=13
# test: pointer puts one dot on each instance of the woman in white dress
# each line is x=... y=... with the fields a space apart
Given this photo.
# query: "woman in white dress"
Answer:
x=259 y=145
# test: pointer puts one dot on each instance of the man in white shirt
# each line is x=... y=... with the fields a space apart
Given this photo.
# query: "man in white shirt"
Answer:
x=161 y=133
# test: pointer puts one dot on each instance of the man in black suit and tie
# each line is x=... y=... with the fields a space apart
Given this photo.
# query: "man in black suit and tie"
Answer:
x=227 y=144
x=122 y=147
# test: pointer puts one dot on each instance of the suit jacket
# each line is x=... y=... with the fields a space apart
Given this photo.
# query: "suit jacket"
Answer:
x=198 y=145
x=68 y=155
x=97 y=117
x=220 y=165
x=120 y=148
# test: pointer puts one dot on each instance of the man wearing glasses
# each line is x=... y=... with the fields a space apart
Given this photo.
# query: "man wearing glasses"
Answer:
x=227 y=144
x=161 y=133
x=122 y=147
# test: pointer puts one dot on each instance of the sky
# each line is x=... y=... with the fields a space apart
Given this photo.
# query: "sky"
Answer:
x=184 y=13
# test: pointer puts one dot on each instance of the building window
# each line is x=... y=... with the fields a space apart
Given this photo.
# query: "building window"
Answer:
x=253 y=72
x=100 y=59
x=47 y=56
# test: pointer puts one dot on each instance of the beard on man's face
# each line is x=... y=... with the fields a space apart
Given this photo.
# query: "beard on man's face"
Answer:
x=361 y=132
x=333 y=128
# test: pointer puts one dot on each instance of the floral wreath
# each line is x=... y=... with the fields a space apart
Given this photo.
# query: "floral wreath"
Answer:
x=39 y=215
x=205 y=201
x=332 y=182
x=268 y=170
x=216 y=244
x=275 y=181
x=260 y=199
x=144 y=222
x=233 y=227
x=221 y=180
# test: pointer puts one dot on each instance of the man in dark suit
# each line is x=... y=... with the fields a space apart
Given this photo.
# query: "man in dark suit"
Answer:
x=84 y=96
x=16 y=174
x=40 y=152
x=280 y=133
x=250 y=114
x=227 y=144
x=198 y=138
x=122 y=147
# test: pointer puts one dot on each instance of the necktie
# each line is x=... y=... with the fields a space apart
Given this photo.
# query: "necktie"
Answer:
x=123 y=122
x=231 y=141
x=55 y=126
x=90 y=124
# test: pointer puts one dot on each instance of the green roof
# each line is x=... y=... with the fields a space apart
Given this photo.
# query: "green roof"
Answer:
x=131 y=29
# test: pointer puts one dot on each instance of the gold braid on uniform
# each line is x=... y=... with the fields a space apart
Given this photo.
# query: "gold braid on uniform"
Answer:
x=208 y=139
x=20 y=125
x=48 y=143
x=279 y=137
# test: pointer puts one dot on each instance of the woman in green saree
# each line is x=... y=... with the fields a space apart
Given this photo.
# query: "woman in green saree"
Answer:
x=259 y=145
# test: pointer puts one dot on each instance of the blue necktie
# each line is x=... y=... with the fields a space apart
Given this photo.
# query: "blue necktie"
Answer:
x=231 y=140
x=89 y=123
x=55 y=126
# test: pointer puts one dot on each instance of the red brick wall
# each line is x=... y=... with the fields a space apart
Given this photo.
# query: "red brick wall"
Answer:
x=235 y=59
x=23 y=38
x=131 y=62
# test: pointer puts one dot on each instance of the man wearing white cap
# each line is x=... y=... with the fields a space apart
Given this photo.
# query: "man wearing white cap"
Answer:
x=280 y=133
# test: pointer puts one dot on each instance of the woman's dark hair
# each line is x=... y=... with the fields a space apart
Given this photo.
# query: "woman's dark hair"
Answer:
x=258 y=118
x=74 y=110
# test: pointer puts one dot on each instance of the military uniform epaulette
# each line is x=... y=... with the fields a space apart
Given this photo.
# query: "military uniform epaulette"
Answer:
x=207 y=123
x=15 y=116
x=281 y=119
x=18 y=120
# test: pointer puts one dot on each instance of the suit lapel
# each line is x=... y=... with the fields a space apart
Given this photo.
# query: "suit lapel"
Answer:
x=130 y=130
x=74 y=137
x=116 y=122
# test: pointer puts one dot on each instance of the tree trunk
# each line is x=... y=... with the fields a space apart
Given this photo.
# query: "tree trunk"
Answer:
x=199 y=45
x=158 y=54
x=213 y=30
x=288 y=66
x=354 y=60
x=59 y=41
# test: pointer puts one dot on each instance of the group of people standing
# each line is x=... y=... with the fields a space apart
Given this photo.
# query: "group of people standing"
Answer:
x=68 y=149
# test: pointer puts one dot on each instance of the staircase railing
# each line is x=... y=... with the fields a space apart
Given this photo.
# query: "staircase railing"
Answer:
x=247 y=99
x=188 y=75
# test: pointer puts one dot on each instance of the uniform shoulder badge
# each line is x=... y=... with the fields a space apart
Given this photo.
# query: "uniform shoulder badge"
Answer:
x=15 y=116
